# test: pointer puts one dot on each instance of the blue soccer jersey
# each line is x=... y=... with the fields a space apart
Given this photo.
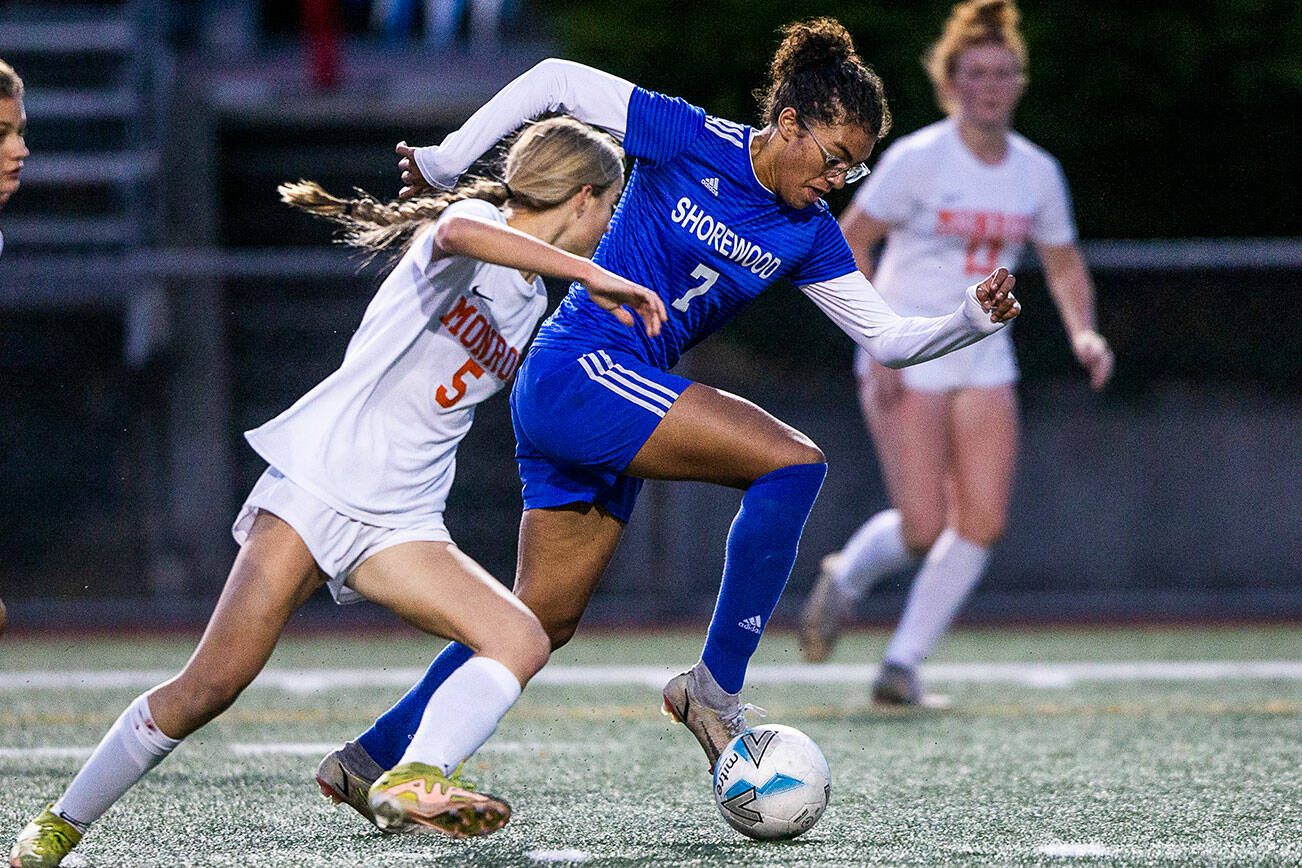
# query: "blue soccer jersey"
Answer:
x=696 y=226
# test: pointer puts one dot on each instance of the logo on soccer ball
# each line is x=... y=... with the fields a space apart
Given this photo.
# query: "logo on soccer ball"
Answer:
x=772 y=782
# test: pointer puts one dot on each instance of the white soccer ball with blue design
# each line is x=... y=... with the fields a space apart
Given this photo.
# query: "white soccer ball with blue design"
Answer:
x=772 y=782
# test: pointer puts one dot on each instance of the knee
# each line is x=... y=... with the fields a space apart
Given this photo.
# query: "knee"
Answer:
x=532 y=648
x=561 y=633
x=517 y=642
x=920 y=534
x=804 y=451
x=983 y=530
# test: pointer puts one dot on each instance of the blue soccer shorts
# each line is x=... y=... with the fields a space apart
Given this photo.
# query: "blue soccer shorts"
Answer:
x=580 y=419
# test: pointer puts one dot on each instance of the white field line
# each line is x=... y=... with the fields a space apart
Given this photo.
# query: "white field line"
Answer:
x=558 y=855
x=317 y=749
x=1044 y=675
x=1073 y=851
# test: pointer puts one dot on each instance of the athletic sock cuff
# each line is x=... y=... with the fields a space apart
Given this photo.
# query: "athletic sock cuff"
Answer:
x=141 y=723
x=497 y=675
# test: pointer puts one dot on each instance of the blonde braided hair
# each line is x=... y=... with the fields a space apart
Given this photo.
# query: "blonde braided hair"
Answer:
x=548 y=163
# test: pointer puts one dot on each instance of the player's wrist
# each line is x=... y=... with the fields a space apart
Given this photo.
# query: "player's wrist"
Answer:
x=976 y=314
x=427 y=163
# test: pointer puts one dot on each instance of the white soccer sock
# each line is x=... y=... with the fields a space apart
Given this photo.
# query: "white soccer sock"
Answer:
x=131 y=747
x=948 y=574
x=462 y=713
x=877 y=549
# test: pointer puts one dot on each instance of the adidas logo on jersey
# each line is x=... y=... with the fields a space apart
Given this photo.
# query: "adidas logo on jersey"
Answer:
x=754 y=624
x=711 y=184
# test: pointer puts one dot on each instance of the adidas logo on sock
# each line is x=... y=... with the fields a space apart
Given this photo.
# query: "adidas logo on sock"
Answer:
x=754 y=624
x=711 y=184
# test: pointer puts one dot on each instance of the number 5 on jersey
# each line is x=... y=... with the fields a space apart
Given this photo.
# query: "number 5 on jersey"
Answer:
x=707 y=276
x=445 y=398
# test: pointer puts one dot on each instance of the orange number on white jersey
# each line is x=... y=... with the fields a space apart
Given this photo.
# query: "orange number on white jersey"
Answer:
x=447 y=399
x=982 y=256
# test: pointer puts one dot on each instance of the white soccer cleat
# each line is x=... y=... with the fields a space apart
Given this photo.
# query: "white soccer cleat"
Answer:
x=824 y=613
x=713 y=727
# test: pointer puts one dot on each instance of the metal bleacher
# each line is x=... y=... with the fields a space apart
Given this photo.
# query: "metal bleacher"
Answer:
x=92 y=73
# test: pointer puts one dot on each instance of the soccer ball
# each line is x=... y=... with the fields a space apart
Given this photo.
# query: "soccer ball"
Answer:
x=772 y=782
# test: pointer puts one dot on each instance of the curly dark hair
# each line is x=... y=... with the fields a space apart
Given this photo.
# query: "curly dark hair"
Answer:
x=817 y=72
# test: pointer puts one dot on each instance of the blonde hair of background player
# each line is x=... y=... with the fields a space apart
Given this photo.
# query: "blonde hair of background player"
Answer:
x=548 y=163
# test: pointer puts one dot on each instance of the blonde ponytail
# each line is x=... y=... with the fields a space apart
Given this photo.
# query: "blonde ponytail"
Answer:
x=548 y=163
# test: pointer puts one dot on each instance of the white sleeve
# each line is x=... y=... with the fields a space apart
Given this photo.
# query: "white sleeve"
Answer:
x=1053 y=224
x=592 y=96
x=893 y=340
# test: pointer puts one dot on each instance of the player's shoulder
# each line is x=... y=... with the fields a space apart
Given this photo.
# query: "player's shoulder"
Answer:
x=727 y=134
x=1033 y=154
x=472 y=207
x=921 y=143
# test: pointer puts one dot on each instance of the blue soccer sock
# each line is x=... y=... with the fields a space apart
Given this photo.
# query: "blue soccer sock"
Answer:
x=761 y=551
x=388 y=737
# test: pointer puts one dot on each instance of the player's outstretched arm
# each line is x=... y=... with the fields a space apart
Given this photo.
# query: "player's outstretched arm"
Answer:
x=460 y=235
x=1073 y=294
x=553 y=85
x=898 y=341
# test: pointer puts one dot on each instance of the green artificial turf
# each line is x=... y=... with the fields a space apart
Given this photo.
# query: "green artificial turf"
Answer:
x=1106 y=772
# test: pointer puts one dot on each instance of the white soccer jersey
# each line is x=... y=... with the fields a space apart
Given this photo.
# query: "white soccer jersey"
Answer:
x=953 y=221
x=377 y=439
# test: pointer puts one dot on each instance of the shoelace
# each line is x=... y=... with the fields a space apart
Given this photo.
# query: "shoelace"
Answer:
x=736 y=721
x=455 y=778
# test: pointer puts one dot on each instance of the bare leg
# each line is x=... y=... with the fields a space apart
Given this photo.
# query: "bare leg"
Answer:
x=563 y=553
x=712 y=436
x=273 y=575
x=441 y=590
x=983 y=431
x=911 y=438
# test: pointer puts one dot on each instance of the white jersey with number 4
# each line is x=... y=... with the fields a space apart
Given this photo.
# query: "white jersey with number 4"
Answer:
x=955 y=219
x=377 y=439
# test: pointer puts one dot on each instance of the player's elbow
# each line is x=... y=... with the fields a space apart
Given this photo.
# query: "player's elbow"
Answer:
x=551 y=68
x=452 y=234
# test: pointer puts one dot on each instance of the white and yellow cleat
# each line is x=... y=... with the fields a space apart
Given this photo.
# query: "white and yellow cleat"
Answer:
x=44 y=842
x=414 y=797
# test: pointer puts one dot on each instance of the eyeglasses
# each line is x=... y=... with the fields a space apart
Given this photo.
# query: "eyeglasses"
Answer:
x=834 y=167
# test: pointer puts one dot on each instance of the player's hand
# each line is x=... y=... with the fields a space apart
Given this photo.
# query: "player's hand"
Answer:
x=1095 y=356
x=995 y=294
x=413 y=182
x=611 y=292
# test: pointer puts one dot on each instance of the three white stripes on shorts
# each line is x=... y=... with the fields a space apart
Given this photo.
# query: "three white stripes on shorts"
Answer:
x=629 y=385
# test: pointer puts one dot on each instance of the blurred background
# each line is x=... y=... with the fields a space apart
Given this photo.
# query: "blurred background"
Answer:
x=158 y=300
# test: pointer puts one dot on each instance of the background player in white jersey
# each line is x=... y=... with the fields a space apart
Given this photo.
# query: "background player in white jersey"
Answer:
x=361 y=466
x=13 y=150
x=950 y=200
x=715 y=213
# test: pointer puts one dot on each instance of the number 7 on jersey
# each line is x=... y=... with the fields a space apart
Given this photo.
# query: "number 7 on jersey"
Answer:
x=707 y=276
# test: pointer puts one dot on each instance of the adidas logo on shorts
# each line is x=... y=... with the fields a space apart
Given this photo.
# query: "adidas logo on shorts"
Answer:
x=754 y=624
x=711 y=184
